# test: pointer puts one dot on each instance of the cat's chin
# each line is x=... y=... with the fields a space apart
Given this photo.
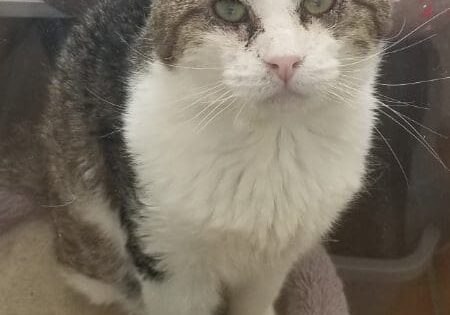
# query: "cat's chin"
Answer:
x=286 y=97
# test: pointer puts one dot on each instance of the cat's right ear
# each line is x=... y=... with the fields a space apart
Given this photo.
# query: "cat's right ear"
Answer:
x=72 y=7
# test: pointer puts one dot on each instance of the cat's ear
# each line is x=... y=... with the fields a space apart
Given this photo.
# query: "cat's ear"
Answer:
x=72 y=7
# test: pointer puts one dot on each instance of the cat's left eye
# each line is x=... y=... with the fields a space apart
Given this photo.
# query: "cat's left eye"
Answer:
x=318 y=7
x=231 y=10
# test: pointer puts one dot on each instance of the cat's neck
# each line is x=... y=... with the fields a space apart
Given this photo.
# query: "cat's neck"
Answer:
x=244 y=171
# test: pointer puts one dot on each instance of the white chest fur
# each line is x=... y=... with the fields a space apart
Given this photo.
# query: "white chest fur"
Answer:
x=256 y=189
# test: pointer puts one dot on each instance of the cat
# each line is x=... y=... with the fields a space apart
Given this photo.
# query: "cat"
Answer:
x=194 y=149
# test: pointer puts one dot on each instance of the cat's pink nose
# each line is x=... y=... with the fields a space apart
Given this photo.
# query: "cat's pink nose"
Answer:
x=285 y=67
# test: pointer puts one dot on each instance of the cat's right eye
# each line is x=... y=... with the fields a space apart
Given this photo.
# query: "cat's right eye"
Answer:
x=231 y=10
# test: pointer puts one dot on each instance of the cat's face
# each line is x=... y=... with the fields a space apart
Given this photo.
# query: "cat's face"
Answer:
x=269 y=50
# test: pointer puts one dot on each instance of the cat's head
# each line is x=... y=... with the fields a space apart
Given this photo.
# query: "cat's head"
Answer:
x=270 y=51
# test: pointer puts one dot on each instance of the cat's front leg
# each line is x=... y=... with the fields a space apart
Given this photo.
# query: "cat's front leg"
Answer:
x=188 y=291
x=270 y=311
x=256 y=296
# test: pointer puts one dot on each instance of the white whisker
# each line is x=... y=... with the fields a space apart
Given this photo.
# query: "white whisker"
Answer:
x=420 y=27
x=184 y=67
x=417 y=82
x=219 y=104
x=382 y=96
x=240 y=112
x=409 y=46
x=407 y=105
x=218 y=113
x=103 y=99
x=210 y=105
x=199 y=100
x=397 y=159
x=384 y=50
x=334 y=90
x=202 y=93
x=398 y=34
x=414 y=121
x=416 y=135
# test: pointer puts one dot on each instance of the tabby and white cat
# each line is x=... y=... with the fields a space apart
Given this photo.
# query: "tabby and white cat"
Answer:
x=196 y=148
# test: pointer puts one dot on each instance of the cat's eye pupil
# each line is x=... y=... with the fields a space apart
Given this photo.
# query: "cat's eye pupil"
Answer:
x=230 y=10
x=316 y=3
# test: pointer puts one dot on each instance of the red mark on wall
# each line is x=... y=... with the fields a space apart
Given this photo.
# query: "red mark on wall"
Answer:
x=427 y=8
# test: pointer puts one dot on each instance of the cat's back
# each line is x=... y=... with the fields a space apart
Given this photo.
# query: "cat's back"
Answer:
x=82 y=127
x=83 y=108
x=96 y=58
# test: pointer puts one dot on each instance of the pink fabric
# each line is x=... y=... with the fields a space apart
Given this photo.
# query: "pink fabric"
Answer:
x=14 y=208
x=313 y=288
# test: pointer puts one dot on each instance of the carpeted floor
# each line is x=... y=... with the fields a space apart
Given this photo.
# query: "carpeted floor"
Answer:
x=30 y=283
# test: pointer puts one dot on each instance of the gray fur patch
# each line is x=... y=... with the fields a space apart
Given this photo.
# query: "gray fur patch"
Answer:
x=365 y=22
x=176 y=25
x=82 y=247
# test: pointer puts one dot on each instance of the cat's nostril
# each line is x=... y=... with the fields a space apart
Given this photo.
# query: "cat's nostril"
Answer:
x=297 y=64
x=273 y=66
x=285 y=67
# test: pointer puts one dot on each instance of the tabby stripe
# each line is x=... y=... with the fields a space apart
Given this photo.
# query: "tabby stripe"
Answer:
x=169 y=53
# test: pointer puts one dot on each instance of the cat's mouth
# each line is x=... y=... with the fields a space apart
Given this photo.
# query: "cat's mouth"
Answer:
x=287 y=91
x=286 y=95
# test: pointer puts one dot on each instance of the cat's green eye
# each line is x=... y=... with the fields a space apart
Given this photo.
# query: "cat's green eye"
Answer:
x=231 y=10
x=318 y=7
